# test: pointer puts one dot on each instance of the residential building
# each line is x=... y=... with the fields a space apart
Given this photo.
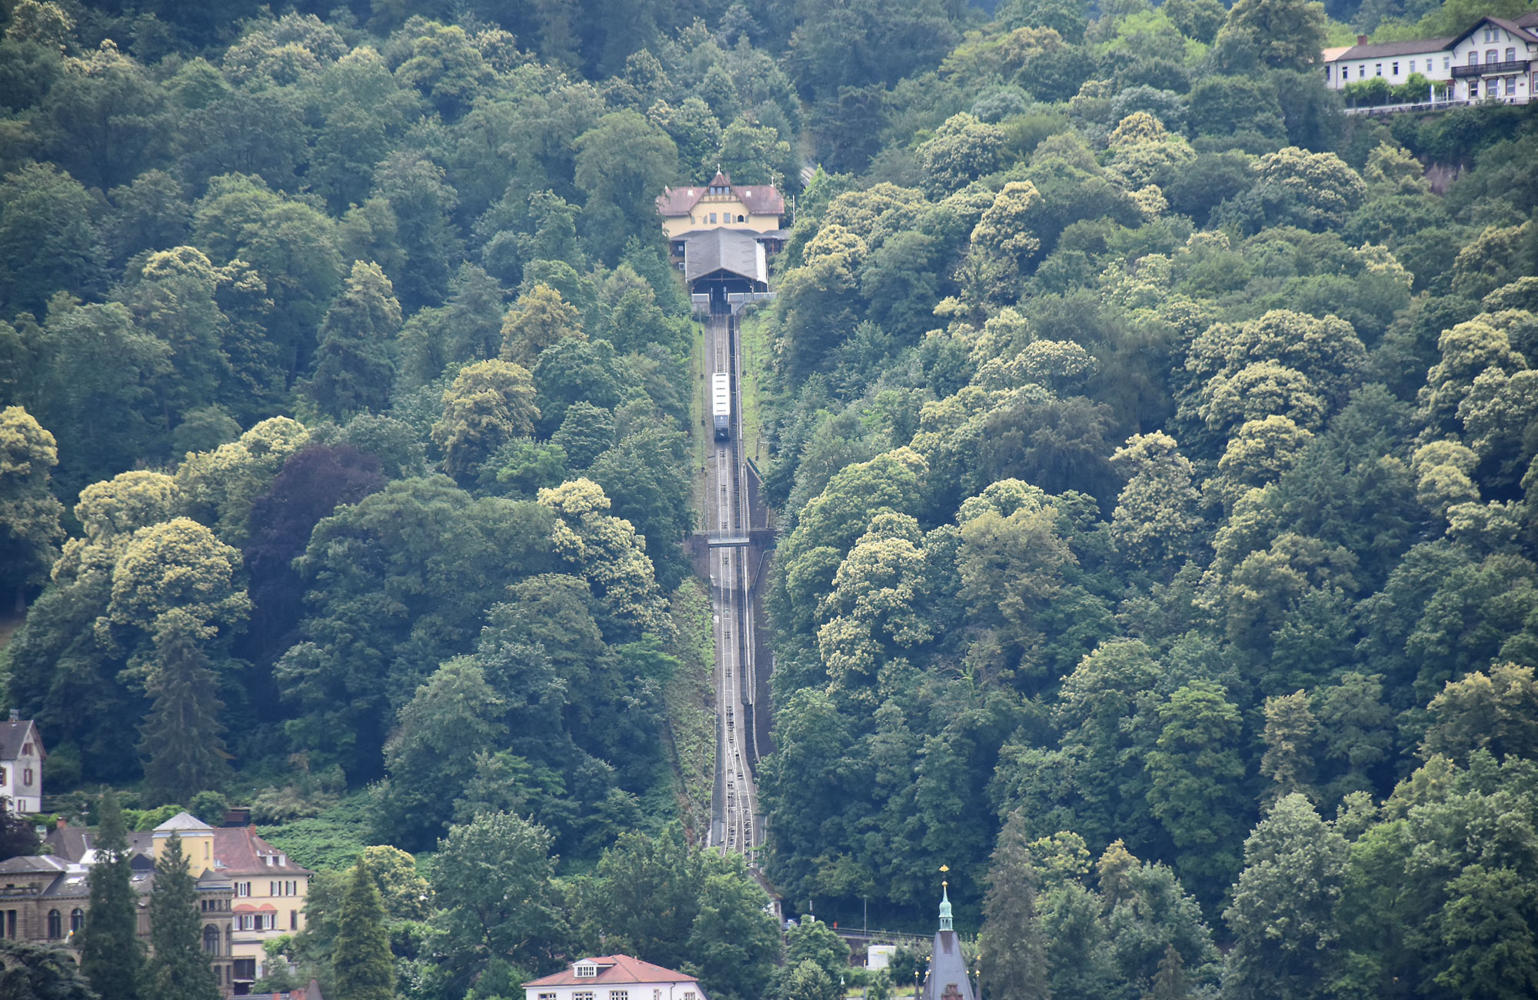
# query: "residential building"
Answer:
x=1392 y=62
x=1493 y=59
x=44 y=898
x=614 y=977
x=21 y=764
x=269 y=896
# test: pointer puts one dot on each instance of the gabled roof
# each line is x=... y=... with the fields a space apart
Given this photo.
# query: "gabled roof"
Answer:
x=613 y=970
x=1515 y=27
x=15 y=734
x=72 y=842
x=760 y=199
x=734 y=250
x=239 y=851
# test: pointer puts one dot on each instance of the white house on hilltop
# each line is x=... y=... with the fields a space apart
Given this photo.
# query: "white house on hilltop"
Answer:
x=614 y=977
x=1492 y=60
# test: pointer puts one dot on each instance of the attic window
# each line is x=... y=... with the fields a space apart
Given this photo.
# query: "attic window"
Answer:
x=585 y=970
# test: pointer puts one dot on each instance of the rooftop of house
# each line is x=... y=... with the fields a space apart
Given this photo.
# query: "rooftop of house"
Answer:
x=72 y=842
x=183 y=822
x=33 y=864
x=239 y=851
x=15 y=734
x=612 y=970
x=1372 y=50
x=1524 y=26
x=1517 y=26
x=760 y=199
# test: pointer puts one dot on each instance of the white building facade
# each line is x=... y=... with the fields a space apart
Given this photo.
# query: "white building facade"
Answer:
x=614 y=977
x=1492 y=60
x=21 y=765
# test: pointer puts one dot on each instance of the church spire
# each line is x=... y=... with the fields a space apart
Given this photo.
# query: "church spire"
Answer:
x=945 y=902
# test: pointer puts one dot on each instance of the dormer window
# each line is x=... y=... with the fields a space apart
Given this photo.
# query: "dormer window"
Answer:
x=585 y=970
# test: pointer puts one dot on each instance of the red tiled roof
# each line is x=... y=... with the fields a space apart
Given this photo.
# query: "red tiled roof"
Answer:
x=239 y=851
x=761 y=199
x=614 y=969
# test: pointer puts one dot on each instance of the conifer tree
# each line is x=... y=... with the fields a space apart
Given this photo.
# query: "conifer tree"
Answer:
x=361 y=960
x=179 y=970
x=1014 y=950
x=110 y=954
x=182 y=739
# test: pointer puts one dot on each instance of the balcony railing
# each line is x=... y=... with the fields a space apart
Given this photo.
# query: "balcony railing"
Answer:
x=1493 y=69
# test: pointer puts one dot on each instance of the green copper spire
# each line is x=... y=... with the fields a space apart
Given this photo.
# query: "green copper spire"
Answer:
x=945 y=906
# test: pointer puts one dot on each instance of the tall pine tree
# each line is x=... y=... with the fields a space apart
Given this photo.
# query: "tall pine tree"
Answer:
x=179 y=970
x=361 y=959
x=1013 y=948
x=182 y=738
x=110 y=954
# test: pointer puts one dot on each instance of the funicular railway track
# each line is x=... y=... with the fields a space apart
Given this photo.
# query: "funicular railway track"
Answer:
x=734 y=826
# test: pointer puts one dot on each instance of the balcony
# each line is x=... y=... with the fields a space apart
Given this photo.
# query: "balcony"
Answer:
x=1492 y=69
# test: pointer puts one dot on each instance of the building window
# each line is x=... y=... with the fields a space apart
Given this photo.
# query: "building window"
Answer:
x=619 y=995
x=1377 y=69
x=1492 y=56
x=1511 y=55
x=26 y=778
x=2 y=776
x=1412 y=66
x=293 y=920
x=245 y=968
x=55 y=925
x=76 y=919
x=582 y=996
x=1395 y=69
x=1473 y=58
x=585 y=970
x=242 y=888
x=547 y=996
x=210 y=940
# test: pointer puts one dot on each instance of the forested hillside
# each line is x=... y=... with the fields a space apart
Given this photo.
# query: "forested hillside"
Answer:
x=1153 y=444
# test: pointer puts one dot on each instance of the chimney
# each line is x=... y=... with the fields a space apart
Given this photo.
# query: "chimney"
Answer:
x=15 y=715
x=1361 y=39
